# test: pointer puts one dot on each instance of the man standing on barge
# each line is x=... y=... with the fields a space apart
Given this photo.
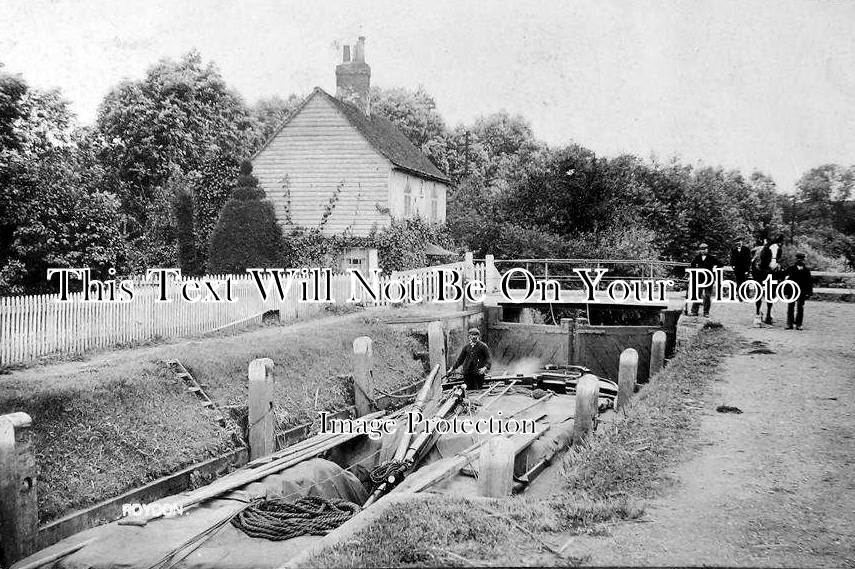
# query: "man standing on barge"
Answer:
x=475 y=359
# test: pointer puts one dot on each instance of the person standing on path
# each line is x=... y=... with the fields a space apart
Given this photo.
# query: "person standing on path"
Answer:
x=740 y=261
x=703 y=260
x=800 y=275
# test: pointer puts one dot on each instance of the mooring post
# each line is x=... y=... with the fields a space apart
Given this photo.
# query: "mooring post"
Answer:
x=436 y=346
x=19 y=519
x=657 y=352
x=627 y=374
x=262 y=421
x=363 y=375
x=587 y=396
x=496 y=468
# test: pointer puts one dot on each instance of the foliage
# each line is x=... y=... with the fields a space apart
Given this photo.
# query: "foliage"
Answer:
x=211 y=186
x=182 y=208
x=180 y=115
x=52 y=212
x=402 y=245
x=247 y=233
x=415 y=115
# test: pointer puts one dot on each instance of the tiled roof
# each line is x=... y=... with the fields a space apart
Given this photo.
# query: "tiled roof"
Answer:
x=385 y=137
x=381 y=134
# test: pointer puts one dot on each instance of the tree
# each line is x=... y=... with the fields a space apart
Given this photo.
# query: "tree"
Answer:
x=181 y=115
x=415 y=115
x=52 y=213
x=247 y=234
x=822 y=193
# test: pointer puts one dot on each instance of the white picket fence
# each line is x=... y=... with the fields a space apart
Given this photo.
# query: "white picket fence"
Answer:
x=39 y=325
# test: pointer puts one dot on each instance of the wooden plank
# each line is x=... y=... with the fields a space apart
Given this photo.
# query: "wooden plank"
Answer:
x=111 y=509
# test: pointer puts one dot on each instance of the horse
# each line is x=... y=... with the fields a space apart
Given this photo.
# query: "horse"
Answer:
x=764 y=262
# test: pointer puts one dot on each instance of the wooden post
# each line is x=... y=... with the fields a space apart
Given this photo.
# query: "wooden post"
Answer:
x=491 y=277
x=496 y=467
x=19 y=519
x=626 y=377
x=363 y=375
x=568 y=327
x=436 y=346
x=587 y=396
x=657 y=352
x=262 y=421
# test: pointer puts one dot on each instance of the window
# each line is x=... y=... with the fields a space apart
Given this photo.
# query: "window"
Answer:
x=434 y=203
x=408 y=200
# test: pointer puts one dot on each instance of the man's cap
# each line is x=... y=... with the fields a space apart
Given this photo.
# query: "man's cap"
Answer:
x=703 y=246
x=800 y=256
x=475 y=331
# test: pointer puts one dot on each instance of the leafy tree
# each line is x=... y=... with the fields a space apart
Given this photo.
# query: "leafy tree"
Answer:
x=415 y=114
x=247 y=234
x=52 y=213
x=822 y=191
x=181 y=115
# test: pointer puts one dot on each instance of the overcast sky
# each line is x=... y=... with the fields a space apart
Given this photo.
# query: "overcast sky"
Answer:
x=742 y=84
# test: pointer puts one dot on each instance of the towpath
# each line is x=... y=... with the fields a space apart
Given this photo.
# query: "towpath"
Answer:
x=773 y=486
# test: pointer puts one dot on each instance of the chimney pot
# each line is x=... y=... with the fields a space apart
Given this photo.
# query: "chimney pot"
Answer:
x=346 y=54
x=360 y=50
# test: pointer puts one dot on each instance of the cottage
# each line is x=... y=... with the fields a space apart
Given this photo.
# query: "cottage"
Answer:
x=334 y=165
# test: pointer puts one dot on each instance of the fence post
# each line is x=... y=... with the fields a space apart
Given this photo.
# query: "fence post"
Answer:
x=363 y=375
x=496 y=468
x=19 y=520
x=491 y=282
x=657 y=352
x=436 y=346
x=587 y=396
x=626 y=377
x=262 y=422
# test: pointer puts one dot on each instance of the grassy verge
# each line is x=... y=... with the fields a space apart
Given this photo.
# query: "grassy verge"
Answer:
x=603 y=481
x=120 y=419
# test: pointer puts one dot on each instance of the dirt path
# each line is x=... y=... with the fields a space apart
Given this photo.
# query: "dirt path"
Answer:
x=773 y=486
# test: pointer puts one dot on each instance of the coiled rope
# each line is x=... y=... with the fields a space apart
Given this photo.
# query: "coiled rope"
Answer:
x=383 y=472
x=277 y=519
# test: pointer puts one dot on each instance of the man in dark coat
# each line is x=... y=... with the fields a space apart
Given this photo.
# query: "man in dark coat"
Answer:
x=704 y=260
x=800 y=275
x=740 y=260
x=474 y=359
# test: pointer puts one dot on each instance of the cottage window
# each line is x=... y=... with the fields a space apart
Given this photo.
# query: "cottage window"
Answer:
x=434 y=203
x=408 y=200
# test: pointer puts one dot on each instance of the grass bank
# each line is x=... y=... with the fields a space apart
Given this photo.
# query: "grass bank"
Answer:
x=120 y=419
x=604 y=481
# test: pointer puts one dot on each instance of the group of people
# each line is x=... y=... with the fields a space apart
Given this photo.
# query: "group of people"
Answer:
x=756 y=264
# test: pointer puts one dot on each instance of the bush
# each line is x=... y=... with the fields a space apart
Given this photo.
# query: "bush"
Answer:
x=815 y=258
x=247 y=234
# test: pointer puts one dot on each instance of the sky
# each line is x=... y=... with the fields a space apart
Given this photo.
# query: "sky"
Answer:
x=741 y=84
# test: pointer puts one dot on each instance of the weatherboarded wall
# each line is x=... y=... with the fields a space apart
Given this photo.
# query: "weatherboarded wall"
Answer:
x=317 y=157
x=422 y=194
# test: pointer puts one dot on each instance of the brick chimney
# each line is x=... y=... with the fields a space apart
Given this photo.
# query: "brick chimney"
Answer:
x=353 y=78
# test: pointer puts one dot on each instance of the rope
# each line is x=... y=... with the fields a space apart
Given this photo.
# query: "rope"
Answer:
x=383 y=472
x=277 y=519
